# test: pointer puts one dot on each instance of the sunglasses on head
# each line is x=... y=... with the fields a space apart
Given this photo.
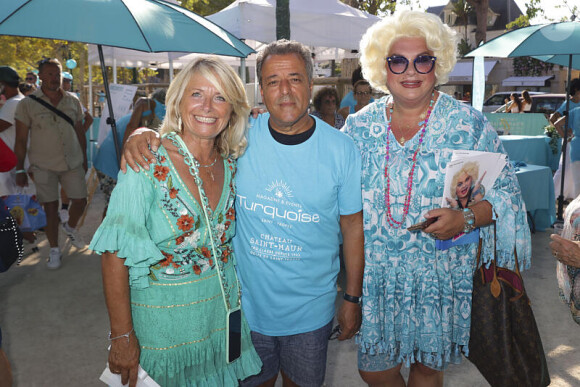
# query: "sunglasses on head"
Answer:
x=423 y=64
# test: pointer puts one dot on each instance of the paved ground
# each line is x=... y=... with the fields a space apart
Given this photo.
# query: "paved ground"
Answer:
x=55 y=323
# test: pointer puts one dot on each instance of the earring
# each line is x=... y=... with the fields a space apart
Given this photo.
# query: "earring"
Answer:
x=179 y=124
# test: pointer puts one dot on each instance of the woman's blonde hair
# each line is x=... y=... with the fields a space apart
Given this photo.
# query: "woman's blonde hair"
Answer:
x=378 y=39
x=232 y=140
x=471 y=168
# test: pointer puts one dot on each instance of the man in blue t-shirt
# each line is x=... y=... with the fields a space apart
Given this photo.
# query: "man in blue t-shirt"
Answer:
x=298 y=190
x=574 y=100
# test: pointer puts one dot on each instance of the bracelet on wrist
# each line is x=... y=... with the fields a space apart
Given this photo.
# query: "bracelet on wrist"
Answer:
x=127 y=335
x=20 y=171
x=353 y=299
x=468 y=220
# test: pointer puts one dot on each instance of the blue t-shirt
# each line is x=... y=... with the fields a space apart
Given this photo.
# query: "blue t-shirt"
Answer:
x=105 y=159
x=348 y=100
x=288 y=206
x=562 y=107
x=574 y=125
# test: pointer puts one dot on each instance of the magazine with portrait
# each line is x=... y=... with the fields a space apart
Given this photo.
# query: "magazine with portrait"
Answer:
x=469 y=175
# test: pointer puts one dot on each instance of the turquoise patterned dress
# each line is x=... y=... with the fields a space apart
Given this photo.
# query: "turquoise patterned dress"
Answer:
x=417 y=299
x=178 y=309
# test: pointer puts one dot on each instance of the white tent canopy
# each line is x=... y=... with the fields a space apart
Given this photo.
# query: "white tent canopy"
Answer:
x=124 y=57
x=321 y=23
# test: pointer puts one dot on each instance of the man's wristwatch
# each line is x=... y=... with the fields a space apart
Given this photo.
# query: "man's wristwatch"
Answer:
x=469 y=220
x=353 y=299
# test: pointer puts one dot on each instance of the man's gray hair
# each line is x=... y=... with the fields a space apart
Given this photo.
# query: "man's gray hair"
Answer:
x=283 y=47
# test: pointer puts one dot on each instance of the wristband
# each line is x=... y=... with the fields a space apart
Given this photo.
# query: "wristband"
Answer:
x=353 y=299
x=469 y=220
x=20 y=171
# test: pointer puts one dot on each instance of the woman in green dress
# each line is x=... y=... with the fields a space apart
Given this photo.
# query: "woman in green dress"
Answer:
x=168 y=267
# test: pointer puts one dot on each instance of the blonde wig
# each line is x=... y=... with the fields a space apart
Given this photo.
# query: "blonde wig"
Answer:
x=378 y=39
x=471 y=168
x=231 y=142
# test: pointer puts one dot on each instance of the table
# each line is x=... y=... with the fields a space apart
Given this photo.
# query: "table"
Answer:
x=538 y=193
x=531 y=150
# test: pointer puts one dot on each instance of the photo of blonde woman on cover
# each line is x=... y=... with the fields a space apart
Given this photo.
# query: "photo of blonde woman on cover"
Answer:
x=466 y=188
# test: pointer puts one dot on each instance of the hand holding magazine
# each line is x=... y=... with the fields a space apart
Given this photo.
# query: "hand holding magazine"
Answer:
x=468 y=177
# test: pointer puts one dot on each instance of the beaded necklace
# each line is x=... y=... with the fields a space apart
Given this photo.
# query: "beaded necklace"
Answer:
x=390 y=219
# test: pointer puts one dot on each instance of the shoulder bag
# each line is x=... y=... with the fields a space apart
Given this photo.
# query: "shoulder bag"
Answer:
x=504 y=343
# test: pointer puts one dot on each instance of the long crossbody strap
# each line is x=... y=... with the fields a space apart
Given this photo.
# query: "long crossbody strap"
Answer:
x=53 y=109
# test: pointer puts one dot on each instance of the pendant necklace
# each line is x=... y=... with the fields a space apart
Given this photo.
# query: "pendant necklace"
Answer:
x=390 y=219
x=209 y=166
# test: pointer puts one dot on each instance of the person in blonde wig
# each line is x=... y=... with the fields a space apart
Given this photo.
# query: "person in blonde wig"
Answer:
x=168 y=267
x=417 y=297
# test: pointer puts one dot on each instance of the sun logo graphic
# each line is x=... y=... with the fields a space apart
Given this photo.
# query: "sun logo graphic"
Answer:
x=279 y=189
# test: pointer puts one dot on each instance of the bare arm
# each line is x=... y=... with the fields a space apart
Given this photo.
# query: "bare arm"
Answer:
x=20 y=151
x=554 y=117
x=4 y=125
x=349 y=315
x=559 y=125
x=88 y=121
x=344 y=112
x=566 y=251
x=124 y=353
x=136 y=150
x=81 y=136
x=141 y=106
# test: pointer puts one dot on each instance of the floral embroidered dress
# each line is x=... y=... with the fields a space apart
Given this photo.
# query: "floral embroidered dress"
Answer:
x=417 y=299
x=177 y=306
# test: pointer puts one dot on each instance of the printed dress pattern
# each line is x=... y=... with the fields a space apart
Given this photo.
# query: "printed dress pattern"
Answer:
x=417 y=299
x=178 y=309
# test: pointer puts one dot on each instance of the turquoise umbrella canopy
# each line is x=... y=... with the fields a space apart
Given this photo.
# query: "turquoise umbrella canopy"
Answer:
x=542 y=39
x=144 y=25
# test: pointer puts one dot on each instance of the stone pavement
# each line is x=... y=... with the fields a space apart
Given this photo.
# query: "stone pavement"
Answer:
x=55 y=323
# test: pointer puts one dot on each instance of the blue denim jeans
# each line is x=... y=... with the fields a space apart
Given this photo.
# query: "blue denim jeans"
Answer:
x=302 y=357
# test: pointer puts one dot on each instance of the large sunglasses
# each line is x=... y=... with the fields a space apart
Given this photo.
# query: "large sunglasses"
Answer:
x=423 y=64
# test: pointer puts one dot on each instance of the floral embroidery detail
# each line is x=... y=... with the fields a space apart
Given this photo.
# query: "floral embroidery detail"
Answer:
x=190 y=246
x=168 y=260
x=160 y=172
x=185 y=222
x=226 y=254
x=205 y=251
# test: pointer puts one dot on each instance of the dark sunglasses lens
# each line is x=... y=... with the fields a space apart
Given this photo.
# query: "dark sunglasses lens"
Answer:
x=424 y=64
x=398 y=64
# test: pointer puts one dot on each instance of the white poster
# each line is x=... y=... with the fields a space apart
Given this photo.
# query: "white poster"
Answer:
x=122 y=100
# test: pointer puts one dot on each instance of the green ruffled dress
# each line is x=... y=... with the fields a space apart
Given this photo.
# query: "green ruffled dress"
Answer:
x=178 y=309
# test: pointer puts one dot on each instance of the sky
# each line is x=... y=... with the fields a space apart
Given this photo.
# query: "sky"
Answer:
x=547 y=5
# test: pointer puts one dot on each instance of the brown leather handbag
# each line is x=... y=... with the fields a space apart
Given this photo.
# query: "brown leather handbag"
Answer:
x=504 y=343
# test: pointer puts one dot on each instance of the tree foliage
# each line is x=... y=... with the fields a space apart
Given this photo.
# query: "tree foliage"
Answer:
x=205 y=7
x=481 y=8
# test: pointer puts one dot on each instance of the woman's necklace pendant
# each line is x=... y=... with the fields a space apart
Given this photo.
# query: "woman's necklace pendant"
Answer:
x=402 y=140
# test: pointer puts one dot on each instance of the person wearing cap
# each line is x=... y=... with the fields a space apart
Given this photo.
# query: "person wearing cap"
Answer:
x=52 y=119
x=9 y=80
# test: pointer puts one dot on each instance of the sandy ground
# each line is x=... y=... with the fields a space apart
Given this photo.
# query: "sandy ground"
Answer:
x=55 y=323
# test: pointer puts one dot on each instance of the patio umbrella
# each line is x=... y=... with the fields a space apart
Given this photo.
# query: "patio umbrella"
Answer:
x=555 y=43
x=144 y=25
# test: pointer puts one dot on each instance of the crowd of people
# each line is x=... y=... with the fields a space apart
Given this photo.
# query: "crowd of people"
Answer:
x=223 y=237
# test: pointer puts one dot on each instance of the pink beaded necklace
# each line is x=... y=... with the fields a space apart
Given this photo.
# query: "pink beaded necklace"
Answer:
x=390 y=219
